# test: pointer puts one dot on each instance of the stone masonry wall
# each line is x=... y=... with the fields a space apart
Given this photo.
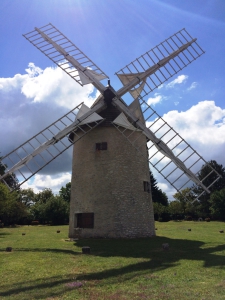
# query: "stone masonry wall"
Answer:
x=109 y=183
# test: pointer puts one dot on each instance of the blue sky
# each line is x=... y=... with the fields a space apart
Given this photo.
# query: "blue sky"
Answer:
x=112 y=33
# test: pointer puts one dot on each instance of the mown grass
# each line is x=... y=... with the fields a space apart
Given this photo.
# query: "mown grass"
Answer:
x=43 y=265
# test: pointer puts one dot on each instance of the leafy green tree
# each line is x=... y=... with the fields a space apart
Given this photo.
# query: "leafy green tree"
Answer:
x=43 y=196
x=10 y=180
x=65 y=192
x=161 y=212
x=50 y=208
x=57 y=210
x=217 y=186
x=186 y=198
x=159 y=209
x=38 y=212
x=217 y=201
x=157 y=194
x=27 y=196
x=38 y=209
x=176 y=210
x=12 y=211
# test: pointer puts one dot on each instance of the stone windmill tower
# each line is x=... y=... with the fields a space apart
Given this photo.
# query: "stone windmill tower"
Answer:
x=114 y=143
x=110 y=192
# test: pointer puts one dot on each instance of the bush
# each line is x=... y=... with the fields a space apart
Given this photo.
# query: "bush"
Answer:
x=207 y=219
x=34 y=223
x=165 y=217
x=188 y=218
x=1 y=225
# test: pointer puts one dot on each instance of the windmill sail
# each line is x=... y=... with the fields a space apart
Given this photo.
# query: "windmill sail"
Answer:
x=41 y=149
x=159 y=64
x=57 y=47
x=168 y=152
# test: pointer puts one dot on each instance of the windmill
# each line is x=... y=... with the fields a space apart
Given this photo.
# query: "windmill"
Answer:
x=114 y=143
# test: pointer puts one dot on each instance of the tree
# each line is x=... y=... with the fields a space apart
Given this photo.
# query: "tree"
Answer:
x=43 y=196
x=65 y=192
x=10 y=180
x=188 y=205
x=157 y=194
x=57 y=210
x=176 y=210
x=50 y=208
x=27 y=196
x=38 y=211
x=12 y=211
x=217 y=201
x=217 y=186
x=185 y=197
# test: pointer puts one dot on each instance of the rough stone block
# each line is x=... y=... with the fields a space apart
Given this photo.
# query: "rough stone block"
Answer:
x=86 y=250
x=165 y=246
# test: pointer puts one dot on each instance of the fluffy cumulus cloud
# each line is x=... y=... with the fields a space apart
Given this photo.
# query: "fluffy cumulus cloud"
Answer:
x=180 y=79
x=32 y=101
x=51 y=85
x=54 y=182
x=203 y=127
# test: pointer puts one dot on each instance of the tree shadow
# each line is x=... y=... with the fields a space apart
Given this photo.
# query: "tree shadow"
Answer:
x=2 y=234
x=63 y=251
x=150 y=250
x=44 y=288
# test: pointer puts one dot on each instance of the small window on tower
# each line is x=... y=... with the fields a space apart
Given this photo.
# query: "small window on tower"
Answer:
x=147 y=187
x=84 y=220
x=101 y=146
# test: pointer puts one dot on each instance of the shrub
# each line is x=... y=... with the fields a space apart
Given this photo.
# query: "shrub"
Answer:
x=34 y=223
x=207 y=219
x=188 y=218
x=1 y=225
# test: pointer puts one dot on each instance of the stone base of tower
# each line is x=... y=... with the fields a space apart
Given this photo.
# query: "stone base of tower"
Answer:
x=115 y=226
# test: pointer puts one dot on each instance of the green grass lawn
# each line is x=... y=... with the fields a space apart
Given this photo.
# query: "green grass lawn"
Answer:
x=43 y=265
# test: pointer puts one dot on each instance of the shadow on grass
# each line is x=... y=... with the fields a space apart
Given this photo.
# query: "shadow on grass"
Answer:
x=63 y=251
x=152 y=249
x=2 y=234
x=149 y=249
x=36 y=289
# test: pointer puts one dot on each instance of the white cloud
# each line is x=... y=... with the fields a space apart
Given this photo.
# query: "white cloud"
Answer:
x=156 y=99
x=32 y=101
x=51 y=85
x=202 y=126
x=54 y=182
x=180 y=79
x=161 y=86
x=193 y=86
x=9 y=84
